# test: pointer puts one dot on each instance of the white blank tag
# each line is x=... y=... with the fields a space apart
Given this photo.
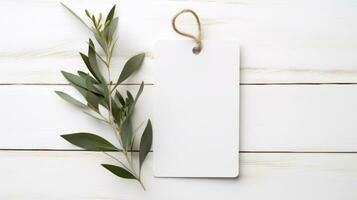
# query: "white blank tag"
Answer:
x=196 y=113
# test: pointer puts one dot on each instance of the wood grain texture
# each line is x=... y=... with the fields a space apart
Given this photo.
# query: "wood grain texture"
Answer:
x=283 y=41
x=78 y=175
x=273 y=117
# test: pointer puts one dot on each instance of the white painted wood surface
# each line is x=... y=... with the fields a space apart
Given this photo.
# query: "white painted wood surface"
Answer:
x=273 y=117
x=78 y=175
x=283 y=41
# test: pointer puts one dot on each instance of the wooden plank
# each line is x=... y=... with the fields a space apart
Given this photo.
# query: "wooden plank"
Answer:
x=279 y=44
x=273 y=117
x=78 y=175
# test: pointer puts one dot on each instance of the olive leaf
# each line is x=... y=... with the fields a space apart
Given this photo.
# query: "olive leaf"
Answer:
x=93 y=70
x=132 y=65
x=110 y=14
x=130 y=97
x=92 y=61
x=119 y=98
x=126 y=126
x=145 y=143
x=74 y=79
x=93 y=101
x=119 y=171
x=78 y=81
x=84 y=84
x=92 y=85
x=75 y=15
x=101 y=41
x=116 y=111
x=70 y=99
x=110 y=30
x=126 y=132
x=89 y=141
x=85 y=75
x=132 y=106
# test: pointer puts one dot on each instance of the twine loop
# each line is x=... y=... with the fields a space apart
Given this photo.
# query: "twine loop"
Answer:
x=197 y=49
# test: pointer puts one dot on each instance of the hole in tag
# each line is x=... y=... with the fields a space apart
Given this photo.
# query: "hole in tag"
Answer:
x=196 y=50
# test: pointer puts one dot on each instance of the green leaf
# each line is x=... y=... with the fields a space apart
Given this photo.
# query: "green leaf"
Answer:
x=93 y=101
x=132 y=65
x=113 y=47
x=113 y=26
x=93 y=85
x=85 y=75
x=70 y=99
x=126 y=130
x=139 y=92
x=86 y=61
x=132 y=105
x=74 y=79
x=75 y=15
x=110 y=14
x=81 y=90
x=134 y=134
x=116 y=111
x=94 y=71
x=102 y=89
x=82 y=74
x=89 y=141
x=119 y=171
x=130 y=97
x=93 y=64
x=110 y=31
x=101 y=41
x=126 y=126
x=120 y=98
x=90 y=84
x=80 y=83
x=93 y=95
x=145 y=143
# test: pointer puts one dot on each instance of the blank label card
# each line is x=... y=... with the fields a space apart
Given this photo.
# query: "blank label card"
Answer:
x=196 y=102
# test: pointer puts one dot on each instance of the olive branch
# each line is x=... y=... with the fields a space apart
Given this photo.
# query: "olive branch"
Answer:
x=100 y=92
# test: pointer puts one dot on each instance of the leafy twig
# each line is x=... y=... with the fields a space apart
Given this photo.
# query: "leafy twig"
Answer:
x=99 y=92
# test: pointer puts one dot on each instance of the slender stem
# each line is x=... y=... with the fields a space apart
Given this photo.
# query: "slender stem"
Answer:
x=129 y=162
x=98 y=55
x=141 y=183
x=113 y=89
x=137 y=177
x=109 y=97
x=110 y=116
x=113 y=124
x=101 y=119
x=131 y=157
x=118 y=161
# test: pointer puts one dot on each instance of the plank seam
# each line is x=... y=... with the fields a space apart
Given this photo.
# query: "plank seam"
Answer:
x=57 y=84
x=272 y=152
x=65 y=84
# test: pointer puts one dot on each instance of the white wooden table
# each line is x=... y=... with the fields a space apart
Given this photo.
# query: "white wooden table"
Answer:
x=298 y=98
